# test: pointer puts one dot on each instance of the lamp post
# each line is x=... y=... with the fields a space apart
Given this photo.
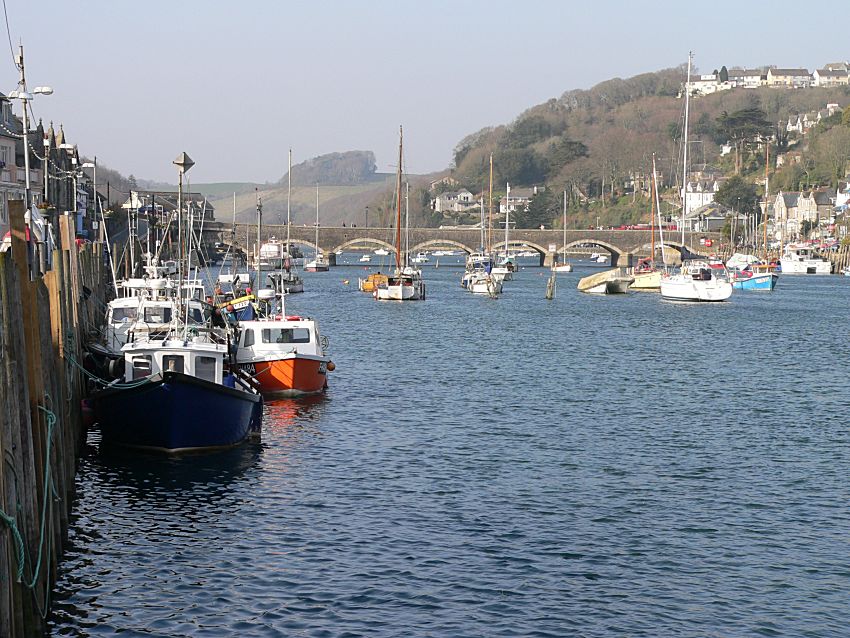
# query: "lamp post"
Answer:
x=183 y=163
x=24 y=96
x=367 y=218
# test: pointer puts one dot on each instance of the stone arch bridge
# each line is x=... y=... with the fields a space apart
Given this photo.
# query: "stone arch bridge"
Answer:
x=624 y=245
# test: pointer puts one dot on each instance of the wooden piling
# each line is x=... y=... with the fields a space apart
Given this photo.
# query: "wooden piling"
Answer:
x=44 y=323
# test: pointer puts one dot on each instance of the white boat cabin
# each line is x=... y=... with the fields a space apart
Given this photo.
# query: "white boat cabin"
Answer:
x=273 y=336
x=202 y=360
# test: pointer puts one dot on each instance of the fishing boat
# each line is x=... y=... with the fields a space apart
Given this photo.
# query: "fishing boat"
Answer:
x=406 y=283
x=748 y=280
x=420 y=258
x=284 y=354
x=609 y=282
x=697 y=280
x=177 y=395
x=178 y=391
x=801 y=259
x=480 y=282
x=564 y=265
x=319 y=263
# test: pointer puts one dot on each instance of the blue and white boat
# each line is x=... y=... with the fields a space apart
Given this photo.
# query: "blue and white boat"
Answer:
x=176 y=396
x=747 y=280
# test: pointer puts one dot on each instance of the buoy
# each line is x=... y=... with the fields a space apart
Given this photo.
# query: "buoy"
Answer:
x=331 y=366
x=345 y=281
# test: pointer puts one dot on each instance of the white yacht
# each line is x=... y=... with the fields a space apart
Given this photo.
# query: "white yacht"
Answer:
x=697 y=281
x=803 y=260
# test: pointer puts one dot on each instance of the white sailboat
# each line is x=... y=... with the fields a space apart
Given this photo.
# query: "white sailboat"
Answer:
x=406 y=283
x=564 y=265
x=319 y=263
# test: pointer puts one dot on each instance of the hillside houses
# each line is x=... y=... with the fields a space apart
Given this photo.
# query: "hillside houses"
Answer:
x=792 y=209
x=831 y=75
x=454 y=202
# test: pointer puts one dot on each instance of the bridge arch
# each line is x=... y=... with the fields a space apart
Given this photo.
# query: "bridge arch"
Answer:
x=441 y=243
x=369 y=242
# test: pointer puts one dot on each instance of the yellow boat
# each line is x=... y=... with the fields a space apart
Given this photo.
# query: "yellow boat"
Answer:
x=371 y=282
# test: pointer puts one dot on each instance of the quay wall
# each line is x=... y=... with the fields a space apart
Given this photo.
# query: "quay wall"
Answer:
x=43 y=325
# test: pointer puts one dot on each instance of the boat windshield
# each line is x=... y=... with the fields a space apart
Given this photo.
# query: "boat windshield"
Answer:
x=120 y=314
x=286 y=335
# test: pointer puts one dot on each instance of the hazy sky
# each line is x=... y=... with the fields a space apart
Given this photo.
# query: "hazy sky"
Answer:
x=235 y=84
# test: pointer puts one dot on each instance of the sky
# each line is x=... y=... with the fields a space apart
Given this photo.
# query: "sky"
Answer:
x=236 y=84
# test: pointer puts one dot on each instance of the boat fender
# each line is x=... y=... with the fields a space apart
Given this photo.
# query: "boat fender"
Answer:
x=115 y=368
x=331 y=366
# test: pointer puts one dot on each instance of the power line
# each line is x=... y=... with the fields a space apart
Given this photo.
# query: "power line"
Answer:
x=9 y=34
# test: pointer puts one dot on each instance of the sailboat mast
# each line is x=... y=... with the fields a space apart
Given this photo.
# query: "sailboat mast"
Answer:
x=490 y=211
x=288 y=202
x=658 y=207
x=766 y=193
x=685 y=149
x=565 y=226
x=652 y=187
x=406 y=223
x=507 y=216
x=317 y=221
x=259 y=239
x=398 y=205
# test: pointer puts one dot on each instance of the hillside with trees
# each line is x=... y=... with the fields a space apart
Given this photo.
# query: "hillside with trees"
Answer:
x=598 y=144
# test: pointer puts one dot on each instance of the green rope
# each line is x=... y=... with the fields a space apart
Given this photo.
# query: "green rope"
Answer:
x=19 y=542
x=51 y=422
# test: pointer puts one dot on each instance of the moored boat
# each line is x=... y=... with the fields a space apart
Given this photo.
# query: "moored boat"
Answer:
x=608 y=282
x=749 y=280
x=177 y=396
x=697 y=280
x=803 y=260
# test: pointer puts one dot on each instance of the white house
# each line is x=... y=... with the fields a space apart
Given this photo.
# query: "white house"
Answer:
x=454 y=202
x=828 y=77
x=698 y=194
x=747 y=78
x=520 y=199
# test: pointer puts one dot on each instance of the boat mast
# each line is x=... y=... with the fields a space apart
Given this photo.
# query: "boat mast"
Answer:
x=652 y=187
x=317 y=222
x=259 y=239
x=564 y=247
x=490 y=211
x=398 y=205
x=766 y=193
x=685 y=150
x=288 y=203
x=658 y=207
x=507 y=217
x=406 y=223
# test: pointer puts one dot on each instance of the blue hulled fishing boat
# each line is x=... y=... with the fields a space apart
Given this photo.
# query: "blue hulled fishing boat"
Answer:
x=177 y=396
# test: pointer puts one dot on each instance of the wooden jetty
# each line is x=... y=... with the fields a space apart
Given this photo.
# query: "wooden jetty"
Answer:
x=43 y=326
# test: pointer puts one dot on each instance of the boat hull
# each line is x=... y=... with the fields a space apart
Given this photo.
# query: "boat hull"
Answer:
x=402 y=292
x=290 y=376
x=649 y=281
x=316 y=268
x=563 y=268
x=760 y=281
x=805 y=267
x=673 y=289
x=176 y=414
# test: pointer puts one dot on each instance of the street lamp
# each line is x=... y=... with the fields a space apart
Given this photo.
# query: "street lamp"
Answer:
x=367 y=217
x=25 y=96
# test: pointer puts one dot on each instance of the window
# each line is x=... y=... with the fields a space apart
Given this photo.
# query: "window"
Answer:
x=141 y=367
x=196 y=316
x=159 y=314
x=172 y=363
x=205 y=368
x=286 y=335
x=4 y=155
x=248 y=339
x=120 y=314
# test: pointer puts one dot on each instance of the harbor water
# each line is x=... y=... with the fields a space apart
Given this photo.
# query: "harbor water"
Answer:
x=586 y=466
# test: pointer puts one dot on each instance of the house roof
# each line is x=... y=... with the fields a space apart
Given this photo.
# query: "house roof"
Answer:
x=828 y=73
x=792 y=72
x=791 y=200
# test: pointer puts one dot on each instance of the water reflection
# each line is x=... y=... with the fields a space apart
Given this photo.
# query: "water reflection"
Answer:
x=155 y=476
x=281 y=414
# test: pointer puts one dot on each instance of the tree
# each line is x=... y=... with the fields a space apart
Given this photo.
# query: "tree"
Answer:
x=724 y=74
x=541 y=211
x=131 y=181
x=739 y=195
x=743 y=126
x=831 y=151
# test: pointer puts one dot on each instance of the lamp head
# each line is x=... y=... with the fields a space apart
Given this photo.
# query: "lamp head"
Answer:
x=43 y=90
